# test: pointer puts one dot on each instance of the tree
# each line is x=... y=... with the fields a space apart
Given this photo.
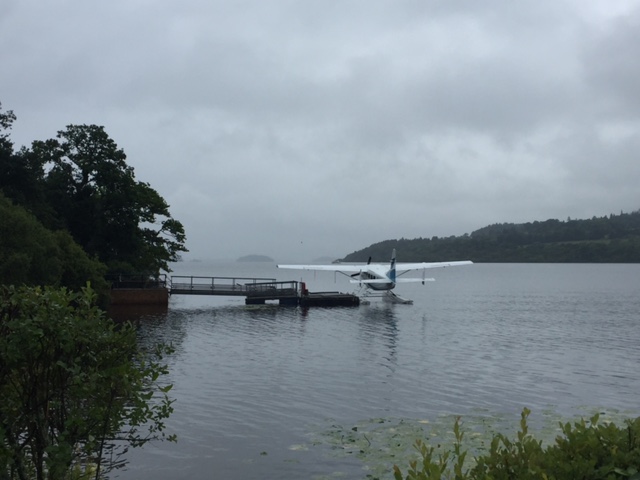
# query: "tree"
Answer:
x=32 y=255
x=125 y=223
x=28 y=251
x=76 y=391
x=22 y=176
x=6 y=121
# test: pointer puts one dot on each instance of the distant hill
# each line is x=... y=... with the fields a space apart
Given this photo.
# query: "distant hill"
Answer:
x=321 y=260
x=255 y=258
x=609 y=239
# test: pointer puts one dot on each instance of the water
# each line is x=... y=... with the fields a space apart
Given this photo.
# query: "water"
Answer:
x=267 y=392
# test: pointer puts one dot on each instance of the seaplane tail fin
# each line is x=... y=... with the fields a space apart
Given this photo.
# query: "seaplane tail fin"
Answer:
x=392 y=267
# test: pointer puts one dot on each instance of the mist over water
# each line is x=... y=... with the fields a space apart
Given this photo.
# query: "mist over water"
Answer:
x=256 y=386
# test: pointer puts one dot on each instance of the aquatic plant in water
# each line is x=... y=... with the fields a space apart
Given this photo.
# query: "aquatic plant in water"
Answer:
x=448 y=443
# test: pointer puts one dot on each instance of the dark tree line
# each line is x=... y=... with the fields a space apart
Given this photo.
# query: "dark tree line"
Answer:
x=609 y=239
x=79 y=184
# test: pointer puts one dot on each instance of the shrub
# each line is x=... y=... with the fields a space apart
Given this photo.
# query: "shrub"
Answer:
x=586 y=450
x=76 y=390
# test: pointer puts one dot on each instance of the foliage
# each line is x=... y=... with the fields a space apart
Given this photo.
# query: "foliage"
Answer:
x=76 y=391
x=108 y=212
x=32 y=255
x=22 y=176
x=6 y=121
x=585 y=450
x=611 y=239
x=440 y=467
x=6 y=147
x=27 y=249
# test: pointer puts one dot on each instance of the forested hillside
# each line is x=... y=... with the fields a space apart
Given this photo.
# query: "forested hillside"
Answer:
x=610 y=239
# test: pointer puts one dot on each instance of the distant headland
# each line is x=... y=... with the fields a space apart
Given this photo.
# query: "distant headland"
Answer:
x=607 y=239
x=255 y=258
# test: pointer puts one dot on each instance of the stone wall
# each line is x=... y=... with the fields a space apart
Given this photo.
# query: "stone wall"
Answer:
x=140 y=296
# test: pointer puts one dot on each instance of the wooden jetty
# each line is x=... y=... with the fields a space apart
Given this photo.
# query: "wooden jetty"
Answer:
x=139 y=289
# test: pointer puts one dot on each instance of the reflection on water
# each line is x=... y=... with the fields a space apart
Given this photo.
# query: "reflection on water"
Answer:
x=378 y=332
x=123 y=313
x=255 y=384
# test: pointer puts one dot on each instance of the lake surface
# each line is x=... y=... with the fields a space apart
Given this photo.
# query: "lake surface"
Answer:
x=268 y=392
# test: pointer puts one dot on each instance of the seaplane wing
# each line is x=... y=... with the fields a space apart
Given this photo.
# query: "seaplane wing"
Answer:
x=402 y=268
x=337 y=267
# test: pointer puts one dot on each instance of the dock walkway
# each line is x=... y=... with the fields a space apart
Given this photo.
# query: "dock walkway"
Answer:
x=228 y=286
x=259 y=291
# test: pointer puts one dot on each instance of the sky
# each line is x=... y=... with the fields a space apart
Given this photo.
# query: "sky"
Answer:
x=304 y=129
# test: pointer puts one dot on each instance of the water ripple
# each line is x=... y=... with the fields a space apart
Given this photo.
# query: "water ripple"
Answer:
x=250 y=381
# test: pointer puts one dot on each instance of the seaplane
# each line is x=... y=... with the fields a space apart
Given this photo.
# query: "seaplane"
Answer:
x=379 y=279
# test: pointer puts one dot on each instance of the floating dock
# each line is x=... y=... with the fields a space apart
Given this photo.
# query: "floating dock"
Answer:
x=329 y=299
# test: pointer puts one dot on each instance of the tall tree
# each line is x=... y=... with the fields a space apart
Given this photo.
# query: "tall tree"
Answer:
x=9 y=178
x=6 y=121
x=22 y=180
x=122 y=221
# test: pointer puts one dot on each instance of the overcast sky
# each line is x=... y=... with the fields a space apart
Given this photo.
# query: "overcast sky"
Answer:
x=300 y=129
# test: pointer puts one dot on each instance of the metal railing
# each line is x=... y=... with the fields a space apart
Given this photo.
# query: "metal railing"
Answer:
x=273 y=289
x=195 y=285
x=137 y=281
x=214 y=285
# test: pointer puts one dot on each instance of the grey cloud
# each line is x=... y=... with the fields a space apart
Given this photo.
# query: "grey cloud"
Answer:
x=612 y=69
x=311 y=128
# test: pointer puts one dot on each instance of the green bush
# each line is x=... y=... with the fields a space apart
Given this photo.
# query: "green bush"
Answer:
x=586 y=450
x=76 y=390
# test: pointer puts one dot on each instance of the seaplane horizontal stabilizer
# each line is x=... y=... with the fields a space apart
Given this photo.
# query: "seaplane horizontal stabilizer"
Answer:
x=411 y=280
